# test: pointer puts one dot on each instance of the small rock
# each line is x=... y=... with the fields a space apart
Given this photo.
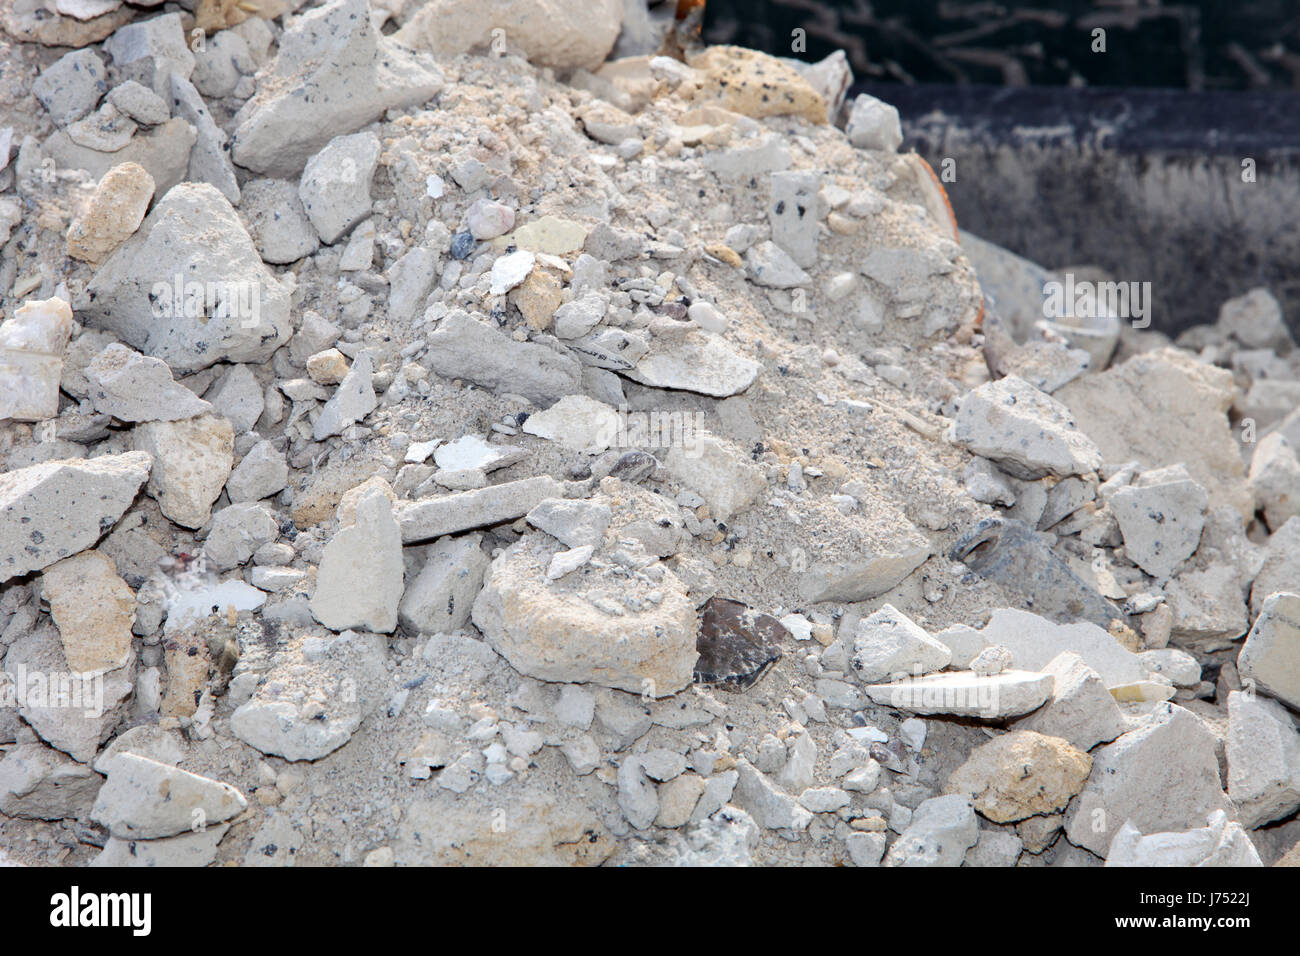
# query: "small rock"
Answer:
x=144 y=799
x=359 y=584
x=963 y=694
x=192 y=460
x=1026 y=432
x=32 y=346
x=115 y=211
x=1020 y=774
x=941 y=831
x=335 y=185
x=488 y=219
x=874 y=125
x=57 y=509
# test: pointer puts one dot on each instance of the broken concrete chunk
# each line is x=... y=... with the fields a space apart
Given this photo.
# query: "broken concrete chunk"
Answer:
x=1263 y=753
x=37 y=783
x=71 y=86
x=1255 y=320
x=1035 y=642
x=351 y=402
x=144 y=799
x=1164 y=775
x=163 y=151
x=359 y=584
x=138 y=388
x=192 y=460
x=355 y=75
x=467 y=510
x=718 y=473
x=772 y=267
x=260 y=473
x=1222 y=843
x=548 y=32
x=1026 y=432
x=794 y=213
x=146 y=294
x=576 y=523
x=237 y=531
x=1275 y=479
x=626 y=633
x=32 y=345
x=210 y=157
x=1271 y=654
x=438 y=600
x=335 y=185
x=694 y=362
x=889 y=643
x=1184 y=419
x=965 y=694
x=874 y=124
x=1081 y=709
x=151 y=51
x=57 y=509
x=577 y=423
x=466 y=348
x=277 y=222
x=72 y=712
x=1161 y=523
x=1281 y=567
x=942 y=829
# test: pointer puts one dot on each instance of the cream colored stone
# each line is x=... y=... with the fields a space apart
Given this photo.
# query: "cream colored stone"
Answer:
x=328 y=367
x=116 y=210
x=1021 y=774
x=32 y=344
x=192 y=460
x=94 y=610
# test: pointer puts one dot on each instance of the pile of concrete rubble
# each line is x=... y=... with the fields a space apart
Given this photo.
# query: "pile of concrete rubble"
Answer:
x=492 y=432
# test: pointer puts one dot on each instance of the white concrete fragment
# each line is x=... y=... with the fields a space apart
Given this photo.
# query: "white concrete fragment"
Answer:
x=1222 y=843
x=139 y=388
x=1263 y=752
x=359 y=584
x=56 y=509
x=889 y=643
x=1027 y=432
x=963 y=694
x=1271 y=654
x=335 y=185
x=1163 y=775
x=144 y=799
x=32 y=343
x=941 y=831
